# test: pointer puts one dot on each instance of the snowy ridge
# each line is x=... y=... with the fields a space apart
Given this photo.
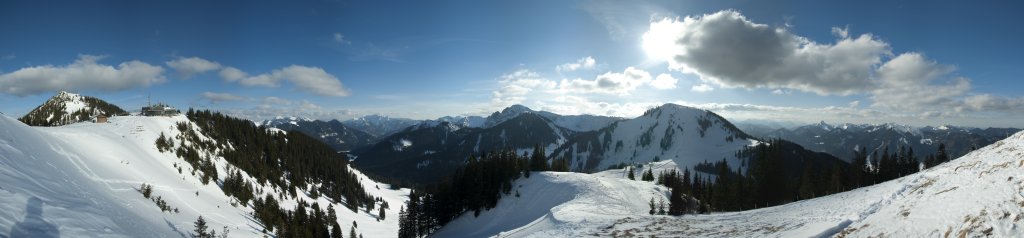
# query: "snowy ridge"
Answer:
x=980 y=194
x=379 y=125
x=577 y=123
x=67 y=108
x=670 y=132
x=80 y=180
x=281 y=120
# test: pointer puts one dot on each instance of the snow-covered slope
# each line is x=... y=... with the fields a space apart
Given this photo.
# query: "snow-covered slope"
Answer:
x=80 y=180
x=561 y=204
x=979 y=194
x=670 y=132
x=66 y=108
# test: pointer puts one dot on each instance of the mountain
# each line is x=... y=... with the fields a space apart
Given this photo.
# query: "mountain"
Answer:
x=682 y=134
x=67 y=108
x=977 y=195
x=425 y=152
x=572 y=122
x=86 y=180
x=333 y=132
x=464 y=121
x=379 y=126
x=842 y=140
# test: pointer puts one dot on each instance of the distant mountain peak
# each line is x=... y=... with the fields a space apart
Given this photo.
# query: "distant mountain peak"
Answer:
x=67 y=108
x=517 y=108
x=506 y=114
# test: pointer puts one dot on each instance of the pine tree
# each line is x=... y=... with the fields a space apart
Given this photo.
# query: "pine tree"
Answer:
x=336 y=230
x=661 y=207
x=404 y=231
x=381 y=214
x=652 y=206
x=538 y=161
x=631 y=176
x=352 y=232
x=942 y=157
x=200 y=230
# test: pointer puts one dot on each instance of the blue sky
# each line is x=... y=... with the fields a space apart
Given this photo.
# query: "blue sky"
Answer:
x=912 y=62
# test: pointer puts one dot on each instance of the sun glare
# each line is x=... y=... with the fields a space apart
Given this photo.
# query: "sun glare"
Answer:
x=659 y=43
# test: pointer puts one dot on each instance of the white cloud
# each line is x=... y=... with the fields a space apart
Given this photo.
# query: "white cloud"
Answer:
x=339 y=38
x=232 y=74
x=516 y=85
x=10 y=56
x=727 y=49
x=608 y=83
x=309 y=79
x=83 y=74
x=188 y=67
x=986 y=102
x=701 y=88
x=665 y=81
x=583 y=63
x=908 y=82
x=220 y=97
x=854 y=103
x=276 y=101
x=842 y=33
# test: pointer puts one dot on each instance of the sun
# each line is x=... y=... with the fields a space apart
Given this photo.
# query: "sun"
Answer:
x=659 y=43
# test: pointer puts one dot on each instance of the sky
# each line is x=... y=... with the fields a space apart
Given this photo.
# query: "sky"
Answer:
x=908 y=62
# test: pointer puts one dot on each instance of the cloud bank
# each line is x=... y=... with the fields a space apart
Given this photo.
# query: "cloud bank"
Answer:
x=85 y=73
x=728 y=50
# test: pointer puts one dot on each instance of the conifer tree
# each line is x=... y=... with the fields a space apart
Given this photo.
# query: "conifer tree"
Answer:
x=200 y=229
x=336 y=230
x=652 y=206
x=942 y=157
x=630 y=175
x=538 y=161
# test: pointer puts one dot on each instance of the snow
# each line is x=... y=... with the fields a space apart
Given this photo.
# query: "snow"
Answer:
x=80 y=180
x=559 y=204
x=980 y=194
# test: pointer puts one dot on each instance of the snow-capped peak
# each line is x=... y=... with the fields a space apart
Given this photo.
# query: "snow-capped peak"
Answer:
x=825 y=126
x=66 y=108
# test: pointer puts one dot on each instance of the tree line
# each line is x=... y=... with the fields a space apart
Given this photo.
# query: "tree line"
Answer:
x=774 y=177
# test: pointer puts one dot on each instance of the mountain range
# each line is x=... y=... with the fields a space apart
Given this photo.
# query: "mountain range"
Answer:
x=333 y=133
x=842 y=140
x=90 y=179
